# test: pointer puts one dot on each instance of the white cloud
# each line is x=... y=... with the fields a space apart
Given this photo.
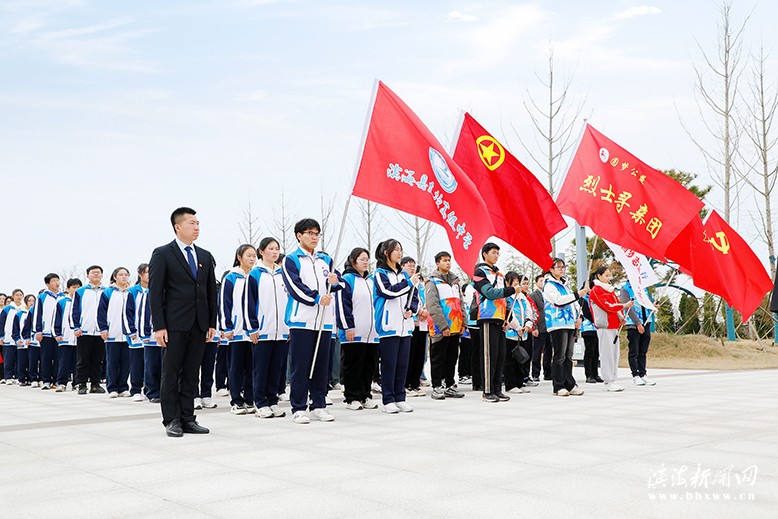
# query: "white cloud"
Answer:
x=462 y=17
x=640 y=10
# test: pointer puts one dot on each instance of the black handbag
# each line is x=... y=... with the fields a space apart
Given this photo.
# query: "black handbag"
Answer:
x=519 y=354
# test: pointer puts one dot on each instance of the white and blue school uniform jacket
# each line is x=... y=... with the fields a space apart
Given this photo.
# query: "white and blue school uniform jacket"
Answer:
x=422 y=324
x=561 y=312
x=22 y=329
x=354 y=308
x=264 y=304
x=521 y=314
x=7 y=315
x=145 y=328
x=391 y=294
x=85 y=303
x=63 y=321
x=137 y=292
x=231 y=305
x=305 y=276
x=43 y=314
x=586 y=324
x=116 y=315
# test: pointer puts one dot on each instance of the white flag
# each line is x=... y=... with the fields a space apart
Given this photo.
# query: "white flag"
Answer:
x=639 y=272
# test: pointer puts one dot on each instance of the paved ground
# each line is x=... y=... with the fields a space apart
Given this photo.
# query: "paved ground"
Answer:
x=699 y=444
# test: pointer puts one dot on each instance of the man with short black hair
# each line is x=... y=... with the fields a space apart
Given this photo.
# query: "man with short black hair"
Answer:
x=90 y=347
x=43 y=328
x=182 y=297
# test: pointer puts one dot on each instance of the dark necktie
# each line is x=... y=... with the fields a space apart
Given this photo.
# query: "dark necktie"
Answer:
x=190 y=258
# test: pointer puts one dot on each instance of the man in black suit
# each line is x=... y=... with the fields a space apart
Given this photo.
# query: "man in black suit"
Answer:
x=182 y=296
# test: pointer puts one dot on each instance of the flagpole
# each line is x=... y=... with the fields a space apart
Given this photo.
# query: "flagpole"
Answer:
x=580 y=230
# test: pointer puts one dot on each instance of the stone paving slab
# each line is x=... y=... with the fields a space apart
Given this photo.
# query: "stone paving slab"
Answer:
x=682 y=448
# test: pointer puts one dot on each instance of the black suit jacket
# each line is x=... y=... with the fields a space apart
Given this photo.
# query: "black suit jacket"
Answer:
x=179 y=302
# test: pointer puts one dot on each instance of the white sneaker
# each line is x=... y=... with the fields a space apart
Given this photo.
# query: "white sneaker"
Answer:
x=283 y=397
x=404 y=407
x=300 y=417
x=250 y=409
x=198 y=403
x=277 y=411
x=638 y=381
x=208 y=403
x=137 y=397
x=391 y=408
x=264 y=412
x=562 y=392
x=648 y=381
x=369 y=404
x=338 y=387
x=322 y=415
x=576 y=391
x=113 y=394
x=60 y=389
x=35 y=384
x=613 y=387
x=354 y=405
x=2 y=382
x=416 y=392
x=125 y=394
x=327 y=400
x=223 y=392
x=375 y=387
x=238 y=409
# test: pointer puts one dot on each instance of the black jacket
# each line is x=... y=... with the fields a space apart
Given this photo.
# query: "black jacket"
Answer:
x=179 y=301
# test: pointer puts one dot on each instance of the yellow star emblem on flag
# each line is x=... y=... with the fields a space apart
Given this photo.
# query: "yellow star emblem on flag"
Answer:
x=491 y=152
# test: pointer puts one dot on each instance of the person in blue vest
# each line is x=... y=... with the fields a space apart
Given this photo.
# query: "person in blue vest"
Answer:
x=521 y=321
x=446 y=324
x=563 y=318
x=591 y=341
x=310 y=279
x=64 y=331
x=137 y=350
x=116 y=322
x=638 y=327
x=395 y=299
x=43 y=323
x=419 y=338
x=7 y=316
x=357 y=330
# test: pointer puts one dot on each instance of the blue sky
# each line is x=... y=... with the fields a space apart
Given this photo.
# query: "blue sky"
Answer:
x=114 y=113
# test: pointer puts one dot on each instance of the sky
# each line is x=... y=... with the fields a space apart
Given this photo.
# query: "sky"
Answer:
x=114 y=113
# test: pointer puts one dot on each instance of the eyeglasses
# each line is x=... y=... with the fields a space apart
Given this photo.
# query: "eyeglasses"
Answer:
x=560 y=267
x=313 y=234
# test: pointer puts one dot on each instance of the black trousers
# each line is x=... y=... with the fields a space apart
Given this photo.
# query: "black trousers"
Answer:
x=416 y=359
x=443 y=360
x=180 y=374
x=476 y=356
x=638 y=348
x=563 y=342
x=591 y=353
x=465 y=350
x=493 y=344
x=90 y=353
x=222 y=366
x=541 y=355
x=358 y=359
x=515 y=373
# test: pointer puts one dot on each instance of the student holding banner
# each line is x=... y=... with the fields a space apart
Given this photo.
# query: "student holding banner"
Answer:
x=638 y=327
x=608 y=313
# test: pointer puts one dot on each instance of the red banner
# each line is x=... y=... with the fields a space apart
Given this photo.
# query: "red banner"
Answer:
x=721 y=262
x=624 y=200
x=405 y=167
x=522 y=211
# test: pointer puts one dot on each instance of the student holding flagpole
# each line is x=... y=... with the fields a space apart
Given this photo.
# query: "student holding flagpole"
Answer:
x=638 y=325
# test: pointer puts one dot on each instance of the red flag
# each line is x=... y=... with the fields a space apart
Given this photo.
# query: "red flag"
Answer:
x=403 y=166
x=522 y=211
x=721 y=262
x=624 y=200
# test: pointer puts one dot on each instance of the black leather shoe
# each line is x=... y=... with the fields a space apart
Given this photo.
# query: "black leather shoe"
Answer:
x=97 y=389
x=155 y=400
x=502 y=396
x=174 y=430
x=598 y=379
x=490 y=398
x=591 y=380
x=194 y=428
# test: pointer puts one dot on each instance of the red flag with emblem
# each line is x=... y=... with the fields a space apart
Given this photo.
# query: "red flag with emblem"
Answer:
x=405 y=167
x=624 y=200
x=522 y=211
x=721 y=262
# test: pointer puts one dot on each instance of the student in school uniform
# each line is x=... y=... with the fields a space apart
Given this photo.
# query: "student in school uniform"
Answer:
x=310 y=314
x=136 y=291
x=90 y=350
x=7 y=316
x=265 y=306
x=357 y=331
x=638 y=325
x=21 y=334
x=116 y=322
x=395 y=299
x=521 y=321
x=419 y=338
x=66 y=339
x=152 y=350
x=43 y=322
x=232 y=329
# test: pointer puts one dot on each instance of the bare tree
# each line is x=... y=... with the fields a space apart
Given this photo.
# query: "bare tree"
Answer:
x=419 y=231
x=284 y=224
x=327 y=207
x=248 y=225
x=719 y=96
x=554 y=120
x=71 y=271
x=371 y=225
x=762 y=172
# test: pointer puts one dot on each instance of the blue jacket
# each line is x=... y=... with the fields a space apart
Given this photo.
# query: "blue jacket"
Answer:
x=231 y=305
x=116 y=315
x=63 y=321
x=265 y=301
x=355 y=311
x=305 y=277
x=391 y=293
x=43 y=316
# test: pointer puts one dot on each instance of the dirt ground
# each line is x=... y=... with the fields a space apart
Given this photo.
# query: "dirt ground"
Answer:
x=701 y=352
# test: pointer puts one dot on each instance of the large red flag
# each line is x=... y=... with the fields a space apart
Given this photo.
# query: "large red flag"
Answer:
x=405 y=167
x=720 y=261
x=522 y=211
x=624 y=200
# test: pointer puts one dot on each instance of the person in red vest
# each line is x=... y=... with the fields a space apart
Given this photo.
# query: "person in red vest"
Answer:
x=608 y=313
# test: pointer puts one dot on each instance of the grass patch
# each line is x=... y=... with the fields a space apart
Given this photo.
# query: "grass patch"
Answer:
x=701 y=352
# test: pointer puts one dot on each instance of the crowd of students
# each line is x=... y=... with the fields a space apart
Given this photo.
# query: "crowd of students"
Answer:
x=280 y=317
